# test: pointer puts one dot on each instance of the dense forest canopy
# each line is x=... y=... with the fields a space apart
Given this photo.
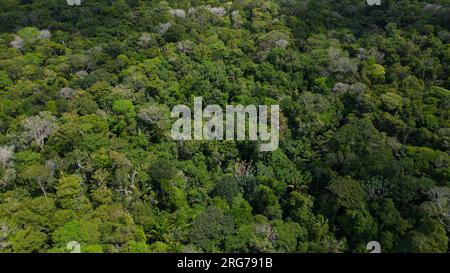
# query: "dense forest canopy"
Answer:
x=85 y=151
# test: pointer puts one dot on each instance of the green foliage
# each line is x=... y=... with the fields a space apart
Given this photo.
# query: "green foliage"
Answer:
x=227 y=188
x=69 y=192
x=5 y=81
x=27 y=240
x=210 y=228
x=85 y=147
x=266 y=202
x=83 y=232
x=347 y=193
x=124 y=107
x=29 y=34
x=377 y=72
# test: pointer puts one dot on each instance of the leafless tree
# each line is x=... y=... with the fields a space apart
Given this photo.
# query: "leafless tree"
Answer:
x=145 y=39
x=185 y=46
x=157 y=117
x=267 y=232
x=39 y=127
x=123 y=190
x=45 y=34
x=6 y=154
x=237 y=19
x=4 y=232
x=340 y=88
x=441 y=198
x=67 y=93
x=17 y=43
x=9 y=175
x=281 y=43
x=52 y=166
x=133 y=177
x=432 y=7
x=242 y=170
x=177 y=13
x=339 y=61
x=154 y=114
x=219 y=11
x=163 y=28
x=81 y=74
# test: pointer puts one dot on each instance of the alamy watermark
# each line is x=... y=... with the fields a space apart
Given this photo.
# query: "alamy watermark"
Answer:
x=73 y=2
x=78 y=2
x=374 y=2
x=74 y=247
x=240 y=121
x=373 y=247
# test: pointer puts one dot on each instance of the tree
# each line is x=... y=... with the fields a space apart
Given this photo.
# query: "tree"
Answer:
x=29 y=34
x=84 y=232
x=4 y=232
x=286 y=234
x=66 y=92
x=39 y=174
x=210 y=229
x=85 y=116
x=376 y=72
x=227 y=187
x=39 y=127
x=162 y=170
x=347 y=193
x=360 y=150
x=298 y=207
x=28 y=240
x=265 y=202
x=17 y=43
x=5 y=81
x=69 y=192
x=339 y=62
x=117 y=227
x=6 y=154
x=358 y=227
x=157 y=119
x=124 y=107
